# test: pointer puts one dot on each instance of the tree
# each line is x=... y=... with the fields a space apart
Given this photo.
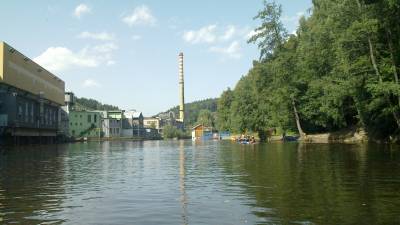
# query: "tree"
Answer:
x=271 y=34
x=224 y=111
x=206 y=118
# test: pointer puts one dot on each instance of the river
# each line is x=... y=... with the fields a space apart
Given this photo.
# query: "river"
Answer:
x=185 y=182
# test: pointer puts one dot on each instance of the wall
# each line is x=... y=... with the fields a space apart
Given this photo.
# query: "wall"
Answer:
x=79 y=123
x=19 y=71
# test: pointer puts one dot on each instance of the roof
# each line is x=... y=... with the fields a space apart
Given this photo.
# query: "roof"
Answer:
x=197 y=126
x=133 y=114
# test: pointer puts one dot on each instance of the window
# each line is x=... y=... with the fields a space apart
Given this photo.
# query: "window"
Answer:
x=19 y=112
x=89 y=118
x=50 y=117
x=95 y=118
x=32 y=108
x=80 y=124
x=26 y=112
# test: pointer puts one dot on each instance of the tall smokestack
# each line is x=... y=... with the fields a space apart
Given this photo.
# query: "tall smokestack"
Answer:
x=182 y=89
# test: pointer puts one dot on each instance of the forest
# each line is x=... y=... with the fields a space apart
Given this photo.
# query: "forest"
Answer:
x=199 y=112
x=338 y=71
x=92 y=104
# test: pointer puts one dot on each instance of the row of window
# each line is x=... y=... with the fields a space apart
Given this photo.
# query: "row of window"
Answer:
x=89 y=117
x=114 y=131
x=25 y=113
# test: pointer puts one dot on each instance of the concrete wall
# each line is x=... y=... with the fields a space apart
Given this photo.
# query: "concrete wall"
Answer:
x=19 y=71
x=79 y=123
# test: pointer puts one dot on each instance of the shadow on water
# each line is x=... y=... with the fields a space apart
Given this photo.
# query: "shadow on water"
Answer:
x=31 y=184
x=318 y=183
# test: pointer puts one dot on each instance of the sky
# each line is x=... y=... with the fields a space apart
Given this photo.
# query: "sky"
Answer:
x=125 y=53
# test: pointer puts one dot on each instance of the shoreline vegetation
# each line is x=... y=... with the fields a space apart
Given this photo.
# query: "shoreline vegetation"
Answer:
x=335 y=79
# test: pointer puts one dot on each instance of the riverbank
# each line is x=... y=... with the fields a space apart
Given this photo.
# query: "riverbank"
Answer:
x=354 y=135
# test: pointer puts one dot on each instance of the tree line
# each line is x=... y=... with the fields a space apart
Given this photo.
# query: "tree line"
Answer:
x=93 y=104
x=338 y=71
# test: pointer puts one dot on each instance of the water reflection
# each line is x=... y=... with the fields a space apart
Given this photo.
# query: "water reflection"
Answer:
x=181 y=182
x=321 y=184
x=31 y=184
x=183 y=198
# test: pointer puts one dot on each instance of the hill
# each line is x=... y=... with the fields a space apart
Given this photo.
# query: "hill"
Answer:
x=193 y=109
x=92 y=104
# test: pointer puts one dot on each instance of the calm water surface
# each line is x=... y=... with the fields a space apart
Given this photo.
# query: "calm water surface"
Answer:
x=181 y=182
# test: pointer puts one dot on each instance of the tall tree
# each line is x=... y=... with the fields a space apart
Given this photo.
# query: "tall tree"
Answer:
x=271 y=34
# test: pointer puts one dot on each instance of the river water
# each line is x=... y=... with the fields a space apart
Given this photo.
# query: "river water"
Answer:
x=184 y=182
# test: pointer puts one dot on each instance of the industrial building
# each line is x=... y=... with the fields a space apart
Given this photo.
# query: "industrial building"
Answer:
x=84 y=124
x=30 y=99
x=112 y=123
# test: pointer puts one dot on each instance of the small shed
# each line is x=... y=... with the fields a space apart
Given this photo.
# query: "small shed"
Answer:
x=201 y=132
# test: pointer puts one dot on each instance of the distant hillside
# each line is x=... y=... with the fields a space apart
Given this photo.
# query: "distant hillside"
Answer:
x=93 y=104
x=192 y=109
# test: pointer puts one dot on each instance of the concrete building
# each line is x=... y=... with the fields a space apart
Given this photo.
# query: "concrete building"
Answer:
x=30 y=99
x=152 y=122
x=133 y=119
x=111 y=127
x=63 y=126
x=112 y=123
x=85 y=124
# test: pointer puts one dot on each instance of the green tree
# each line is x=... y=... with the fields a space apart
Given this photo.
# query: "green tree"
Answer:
x=206 y=118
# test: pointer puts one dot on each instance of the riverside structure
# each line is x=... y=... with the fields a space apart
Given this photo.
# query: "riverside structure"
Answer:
x=30 y=99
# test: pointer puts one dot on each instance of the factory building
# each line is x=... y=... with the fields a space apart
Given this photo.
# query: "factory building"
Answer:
x=30 y=99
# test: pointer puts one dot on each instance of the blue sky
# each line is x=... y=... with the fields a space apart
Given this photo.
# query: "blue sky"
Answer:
x=126 y=53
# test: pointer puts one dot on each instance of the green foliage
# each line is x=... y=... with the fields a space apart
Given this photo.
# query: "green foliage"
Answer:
x=340 y=70
x=206 y=118
x=94 y=104
x=193 y=109
x=224 y=103
x=172 y=132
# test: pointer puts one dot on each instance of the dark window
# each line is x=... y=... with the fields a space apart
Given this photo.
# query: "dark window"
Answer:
x=95 y=118
x=89 y=118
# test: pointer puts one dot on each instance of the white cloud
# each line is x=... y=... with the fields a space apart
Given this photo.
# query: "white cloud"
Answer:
x=141 y=15
x=105 y=48
x=252 y=33
x=90 y=83
x=110 y=62
x=231 y=51
x=229 y=33
x=136 y=37
x=212 y=34
x=102 y=36
x=82 y=9
x=58 y=59
x=203 y=35
x=61 y=58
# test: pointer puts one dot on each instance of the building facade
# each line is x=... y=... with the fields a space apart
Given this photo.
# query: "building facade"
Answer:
x=30 y=99
x=111 y=127
x=85 y=124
